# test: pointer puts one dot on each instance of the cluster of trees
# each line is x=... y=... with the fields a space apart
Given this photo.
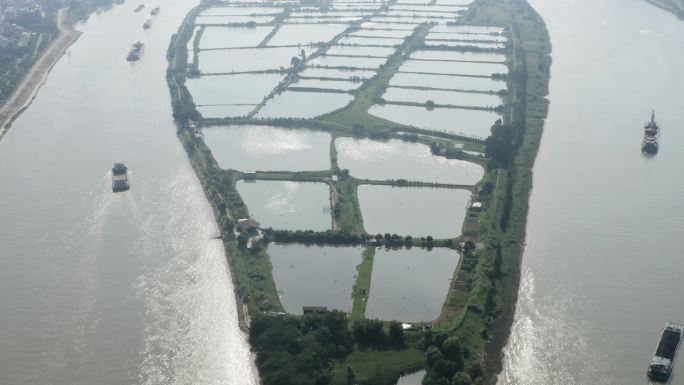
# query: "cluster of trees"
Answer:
x=299 y=350
x=445 y=359
x=371 y=334
x=310 y=237
x=295 y=350
x=502 y=145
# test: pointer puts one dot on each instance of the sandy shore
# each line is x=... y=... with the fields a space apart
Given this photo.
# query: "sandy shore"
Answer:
x=28 y=88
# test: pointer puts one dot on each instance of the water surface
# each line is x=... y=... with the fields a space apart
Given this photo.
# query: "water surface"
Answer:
x=288 y=205
x=264 y=148
x=314 y=275
x=396 y=159
x=410 y=285
x=294 y=104
x=438 y=212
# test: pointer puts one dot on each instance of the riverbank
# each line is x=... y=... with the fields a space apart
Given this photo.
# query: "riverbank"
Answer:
x=36 y=76
x=674 y=6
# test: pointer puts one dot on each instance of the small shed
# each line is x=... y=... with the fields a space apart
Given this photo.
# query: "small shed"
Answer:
x=245 y=224
x=314 y=309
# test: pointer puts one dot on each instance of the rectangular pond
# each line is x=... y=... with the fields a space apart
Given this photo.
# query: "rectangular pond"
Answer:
x=348 y=62
x=265 y=148
x=395 y=159
x=225 y=110
x=448 y=81
x=465 y=37
x=462 y=99
x=292 y=104
x=447 y=67
x=410 y=285
x=469 y=123
x=232 y=89
x=242 y=60
x=459 y=56
x=314 y=275
x=418 y=212
x=395 y=33
x=342 y=85
x=468 y=29
x=223 y=20
x=229 y=37
x=464 y=45
x=335 y=73
x=288 y=205
x=353 y=50
x=244 y=11
x=389 y=42
x=305 y=34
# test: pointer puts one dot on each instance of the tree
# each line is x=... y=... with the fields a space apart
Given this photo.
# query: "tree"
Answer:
x=432 y=355
x=396 y=334
x=351 y=376
x=461 y=378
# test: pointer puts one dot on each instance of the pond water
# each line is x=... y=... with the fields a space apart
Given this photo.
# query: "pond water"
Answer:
x=229 y=37
x=225 y=111
x=265 y=148
x=413 y=378
x=436 y=43
x=464 y=99
x=210 y=20
x=468 y=29
x=305 y=34
x=288 y=205
x=319 y=20
x=314 y=275
x=427 y=211
x=232 y=89
x=385 y=25
x=461 y=68
x=395 y=33
x=242 y=60
x=337 y=73
x=344 y=85
x=458 y=56
x=448 y=81
x=346 y=61
x=396 y=159
x=292 y=104
x=360 y=51
x=410 y=285
x=246 y=11
x=471 y=123
x=434 y=36
x=371 y=41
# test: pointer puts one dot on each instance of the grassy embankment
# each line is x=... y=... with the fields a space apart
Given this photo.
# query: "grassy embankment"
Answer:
x=479 y=306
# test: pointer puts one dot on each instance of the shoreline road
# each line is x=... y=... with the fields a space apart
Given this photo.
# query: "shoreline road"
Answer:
x=28 y=88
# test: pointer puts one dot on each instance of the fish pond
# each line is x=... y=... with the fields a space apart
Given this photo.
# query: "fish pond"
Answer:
x=314 y=275
x=397 y=159
x=293 y=104
x=265 y=148
x=470 y=123
x=438 y=212
x=410 y=285
x=288 y=205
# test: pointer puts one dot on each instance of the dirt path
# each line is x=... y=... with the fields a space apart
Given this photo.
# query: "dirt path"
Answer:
x=28 y=88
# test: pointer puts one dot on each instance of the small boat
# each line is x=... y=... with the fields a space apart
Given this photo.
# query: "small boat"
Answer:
x=660 y=367
x=135 y=52
x=148 y=24
x=120 y=178
x=155 y=11
x=139 y=8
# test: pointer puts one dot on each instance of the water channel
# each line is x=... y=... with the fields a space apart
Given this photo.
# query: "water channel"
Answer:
x=602 y=268
x=98 y=288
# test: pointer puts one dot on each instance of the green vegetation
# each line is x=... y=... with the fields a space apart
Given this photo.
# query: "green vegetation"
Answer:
x=464 y=344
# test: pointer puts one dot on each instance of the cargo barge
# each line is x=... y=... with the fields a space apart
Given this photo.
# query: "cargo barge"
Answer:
x=135 y=52
x=663 y=359
x=120 y=178
x=649 y=145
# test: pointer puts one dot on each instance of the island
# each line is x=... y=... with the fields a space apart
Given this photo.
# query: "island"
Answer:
x=391 y=241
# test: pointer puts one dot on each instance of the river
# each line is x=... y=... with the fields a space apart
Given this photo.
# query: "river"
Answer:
x=103 y=288
x=602 y=267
